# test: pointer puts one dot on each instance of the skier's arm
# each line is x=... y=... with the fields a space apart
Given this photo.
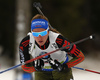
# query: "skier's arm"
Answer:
x=73 y=51
x=28 y=69
x=77 y=56
x=24 y=55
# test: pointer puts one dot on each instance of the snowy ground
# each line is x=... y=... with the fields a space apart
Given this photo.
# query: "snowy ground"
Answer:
x=5 y=64
x=90 y=62
x=7 y=75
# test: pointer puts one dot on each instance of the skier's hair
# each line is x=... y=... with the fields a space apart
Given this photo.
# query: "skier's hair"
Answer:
x=39 y=16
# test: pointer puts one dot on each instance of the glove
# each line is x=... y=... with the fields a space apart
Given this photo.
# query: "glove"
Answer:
x=56 y=65
x=38 y=64
x=65 y=66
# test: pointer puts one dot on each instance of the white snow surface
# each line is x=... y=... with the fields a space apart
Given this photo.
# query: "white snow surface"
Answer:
x=89 y=63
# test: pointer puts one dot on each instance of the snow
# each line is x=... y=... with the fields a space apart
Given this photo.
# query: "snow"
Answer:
x=10 y=75
x=83 y=75
x=91 y=62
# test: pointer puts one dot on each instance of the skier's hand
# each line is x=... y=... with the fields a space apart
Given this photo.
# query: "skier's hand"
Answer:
x=65 y=66
x=56 y=65
x=38 y=64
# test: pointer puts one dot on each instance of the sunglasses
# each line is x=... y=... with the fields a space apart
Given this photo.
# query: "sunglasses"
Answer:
x=43 y=33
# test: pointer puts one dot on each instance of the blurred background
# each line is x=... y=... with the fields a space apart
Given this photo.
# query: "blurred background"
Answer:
x=75 y=19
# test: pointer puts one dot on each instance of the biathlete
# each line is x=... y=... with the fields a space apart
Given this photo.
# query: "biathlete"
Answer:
x=43 y=39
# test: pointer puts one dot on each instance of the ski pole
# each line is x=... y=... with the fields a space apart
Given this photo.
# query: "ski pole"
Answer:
x=37 y=5
x=86 y=70
x=31 y=60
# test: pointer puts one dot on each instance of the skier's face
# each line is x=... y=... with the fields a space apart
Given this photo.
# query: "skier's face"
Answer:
x=40 y=36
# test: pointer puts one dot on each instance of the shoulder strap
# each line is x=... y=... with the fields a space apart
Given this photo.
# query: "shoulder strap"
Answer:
x=53 y=36
x=31 y=42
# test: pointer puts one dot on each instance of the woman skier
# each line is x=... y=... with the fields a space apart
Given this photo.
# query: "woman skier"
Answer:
x=43 y=39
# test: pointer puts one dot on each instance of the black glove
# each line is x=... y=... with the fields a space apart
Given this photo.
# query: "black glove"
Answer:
x=65 y=66
x=38 y=64
x=56 y=65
